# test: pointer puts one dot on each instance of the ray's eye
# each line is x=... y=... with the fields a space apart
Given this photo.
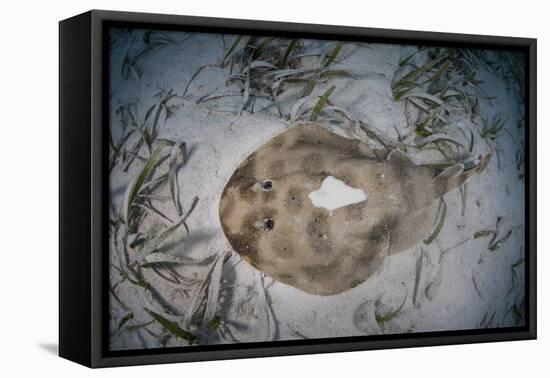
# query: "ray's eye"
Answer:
x=269 y=224
x=267 y=185
x=264 y=225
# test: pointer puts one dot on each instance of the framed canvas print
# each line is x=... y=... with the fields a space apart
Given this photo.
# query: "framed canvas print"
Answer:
x=234 y=188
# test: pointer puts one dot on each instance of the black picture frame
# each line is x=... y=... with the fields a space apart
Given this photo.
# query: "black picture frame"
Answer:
x=84 y=189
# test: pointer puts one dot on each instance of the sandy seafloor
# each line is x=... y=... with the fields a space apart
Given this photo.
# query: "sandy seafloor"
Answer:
x=466 y=287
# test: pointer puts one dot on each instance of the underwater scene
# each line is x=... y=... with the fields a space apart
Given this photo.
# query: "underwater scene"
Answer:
x=266 y=189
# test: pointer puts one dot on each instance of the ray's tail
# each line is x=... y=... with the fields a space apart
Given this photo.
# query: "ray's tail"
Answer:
x=456 y=175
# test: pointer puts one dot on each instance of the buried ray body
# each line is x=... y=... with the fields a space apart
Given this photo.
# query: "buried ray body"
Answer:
x=320 y=212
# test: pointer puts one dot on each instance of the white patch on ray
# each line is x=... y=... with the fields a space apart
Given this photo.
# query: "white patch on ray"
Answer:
x=334 y=194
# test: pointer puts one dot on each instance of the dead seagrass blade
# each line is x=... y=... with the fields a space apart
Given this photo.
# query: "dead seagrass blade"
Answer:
x=320 y=212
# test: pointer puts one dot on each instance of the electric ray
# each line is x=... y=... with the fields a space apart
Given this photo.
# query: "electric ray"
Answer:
x=268 y=214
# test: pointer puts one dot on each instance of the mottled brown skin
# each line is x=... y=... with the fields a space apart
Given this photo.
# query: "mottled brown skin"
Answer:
x=269 y=220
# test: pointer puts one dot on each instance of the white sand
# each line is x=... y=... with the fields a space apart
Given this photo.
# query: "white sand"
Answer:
x=334 y=194
x=466 y=287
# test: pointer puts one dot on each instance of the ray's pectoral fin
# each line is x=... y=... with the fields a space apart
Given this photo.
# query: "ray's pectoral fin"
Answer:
x=412 y=228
